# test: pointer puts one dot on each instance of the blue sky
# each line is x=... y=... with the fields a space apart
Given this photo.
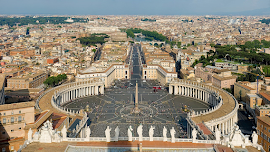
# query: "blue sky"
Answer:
x=130 y=7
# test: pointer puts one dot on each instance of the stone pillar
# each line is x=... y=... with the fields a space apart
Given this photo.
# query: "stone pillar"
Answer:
x=223 y=130
x=226 y=127
x=96 y=90
x=170 y=89
x=176 y=90
x=188 y=91
x=92 y=87
x=102 y=89
x=183 y=90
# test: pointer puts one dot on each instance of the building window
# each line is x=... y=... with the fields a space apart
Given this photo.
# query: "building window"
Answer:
x=12 y=120
x=12 y=148
x=20 y=128
x=4 y=149
x=20 y=118
x=3 y=133
x=20 y=111
x=4 y=114
x=4 y=120
x=11 y=130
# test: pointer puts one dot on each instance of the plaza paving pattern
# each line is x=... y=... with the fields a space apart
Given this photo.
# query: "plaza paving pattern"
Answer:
x=157 y=109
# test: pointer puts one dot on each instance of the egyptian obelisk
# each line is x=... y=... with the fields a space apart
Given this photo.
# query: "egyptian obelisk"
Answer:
x=136 y=109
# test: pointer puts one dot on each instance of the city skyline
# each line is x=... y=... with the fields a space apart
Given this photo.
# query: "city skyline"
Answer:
x=148 y=7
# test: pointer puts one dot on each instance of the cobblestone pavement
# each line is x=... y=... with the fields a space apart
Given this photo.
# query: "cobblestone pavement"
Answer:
x=157 y=107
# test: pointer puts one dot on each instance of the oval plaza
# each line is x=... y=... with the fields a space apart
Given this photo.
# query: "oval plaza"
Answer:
x=110 y=106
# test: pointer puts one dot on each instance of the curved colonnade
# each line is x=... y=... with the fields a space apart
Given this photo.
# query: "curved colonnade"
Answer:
x=76 y=90
x=222 y=115
x=68 y=92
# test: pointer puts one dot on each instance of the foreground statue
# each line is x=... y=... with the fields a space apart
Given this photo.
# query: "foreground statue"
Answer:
x=64 y=132
x=151 y=133
x=194 y=134
x=164 y=133
x=140 y=131
x=130 y=133
x=117 y=130
x=173 y=134
x=87 y=132
x=30 y=132
x=254 y=138
x=218 y=134
x=108 y=134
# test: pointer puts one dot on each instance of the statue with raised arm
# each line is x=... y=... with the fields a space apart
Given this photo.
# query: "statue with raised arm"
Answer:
x=130 y=133
x=140 y=131
x=64 y=132
x=108 y=134
x=194 y=134
x=164 y=133
x=117 y=130
x=151 y=133
x=254 y=138
x=173 y=134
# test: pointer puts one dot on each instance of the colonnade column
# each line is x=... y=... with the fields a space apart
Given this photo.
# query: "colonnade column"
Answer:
x=176 y=90
x=102 y=89
x=96 y=90
x=170 y=89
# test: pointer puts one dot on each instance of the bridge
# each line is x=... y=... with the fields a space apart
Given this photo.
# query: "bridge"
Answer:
x=151 y=42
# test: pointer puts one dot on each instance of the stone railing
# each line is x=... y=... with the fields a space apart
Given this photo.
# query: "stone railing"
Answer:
x=205 y=112
x=230 y=114
x=41 y=96
x=193 y=125
x=79 y=126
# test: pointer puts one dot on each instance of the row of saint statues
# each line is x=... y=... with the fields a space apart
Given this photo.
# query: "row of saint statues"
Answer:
x=139 y=132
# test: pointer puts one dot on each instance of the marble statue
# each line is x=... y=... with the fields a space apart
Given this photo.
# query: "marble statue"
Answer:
x=117 y=130
x=140 y=131
x=194 y=134
x=46 y=133
x=254 y=138
x=64 y=132
x=87 y=132
x=151 y=133
x=130 y=133
x=218 y=134
x=57 y=138
x=30 y=132
x=108 y=134
x=164 y=133
x=173 y=134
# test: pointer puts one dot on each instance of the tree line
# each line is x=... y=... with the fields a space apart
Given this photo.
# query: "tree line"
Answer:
x=42 y=20
x=93 y=39
x=151 y=35
x=266 y=21
x=52 y=81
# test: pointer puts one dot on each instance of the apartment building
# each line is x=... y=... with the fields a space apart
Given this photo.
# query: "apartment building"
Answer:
x=2 y=87
x=263 y=131
x=27 y=81
x=14 y=118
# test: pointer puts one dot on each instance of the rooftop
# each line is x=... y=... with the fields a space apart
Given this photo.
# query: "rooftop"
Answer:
x=16 y=105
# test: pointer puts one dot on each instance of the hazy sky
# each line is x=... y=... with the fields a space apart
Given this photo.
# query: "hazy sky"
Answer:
x=129 y=7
